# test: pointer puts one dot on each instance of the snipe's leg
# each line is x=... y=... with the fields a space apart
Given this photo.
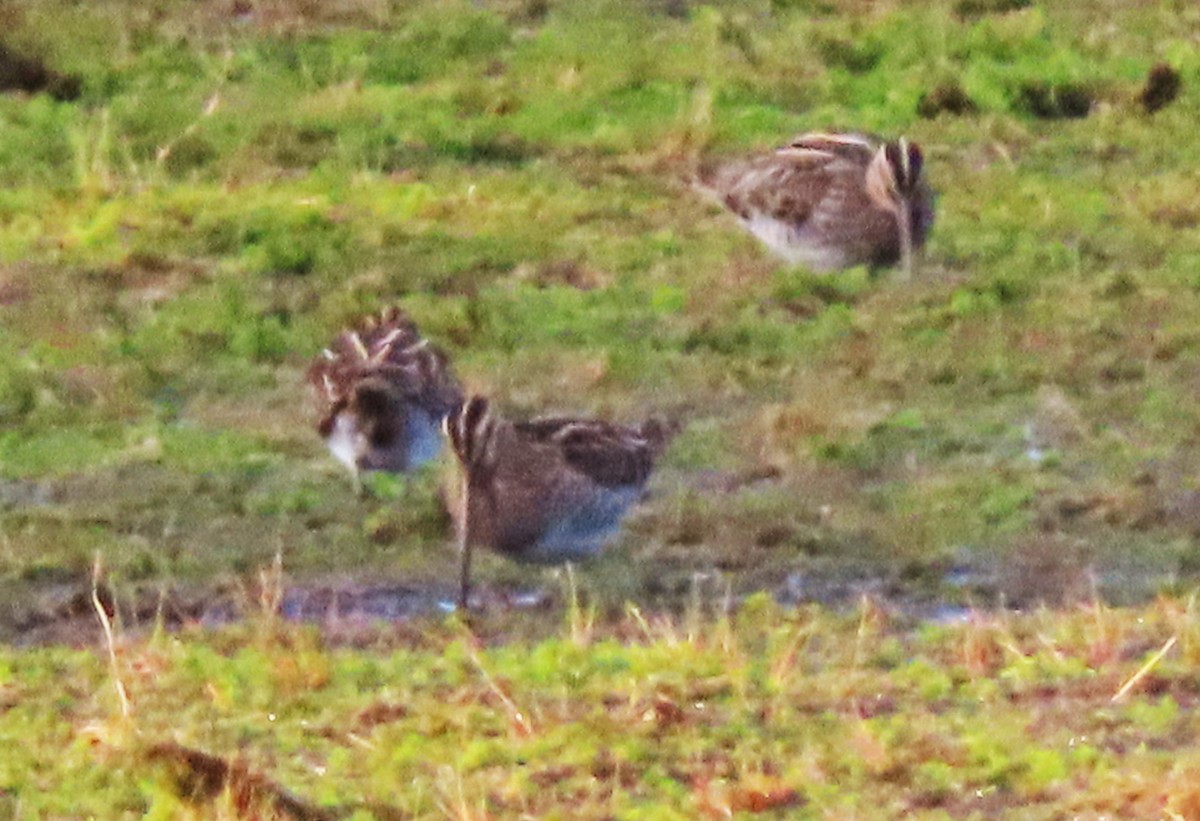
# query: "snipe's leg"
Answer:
x=904 y=224
x=464 y=547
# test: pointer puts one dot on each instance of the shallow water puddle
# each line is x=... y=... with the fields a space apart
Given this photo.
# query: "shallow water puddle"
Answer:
x=63 y=612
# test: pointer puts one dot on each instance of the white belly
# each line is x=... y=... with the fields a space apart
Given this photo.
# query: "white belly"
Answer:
x=345 y=442
x=795 y=246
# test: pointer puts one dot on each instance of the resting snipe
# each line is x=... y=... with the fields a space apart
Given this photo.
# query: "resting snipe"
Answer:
x=832 y=201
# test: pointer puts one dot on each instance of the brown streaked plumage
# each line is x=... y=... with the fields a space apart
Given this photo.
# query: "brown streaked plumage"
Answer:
x=548 y=490
x=832 y=201
x=385 y=391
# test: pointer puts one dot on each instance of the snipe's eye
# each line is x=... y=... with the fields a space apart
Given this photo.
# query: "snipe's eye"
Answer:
x=474 y=412
x=372 y=399
x=915 y=162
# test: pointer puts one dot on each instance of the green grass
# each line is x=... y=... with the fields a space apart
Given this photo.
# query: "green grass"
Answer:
x=226 y=193
x=776 y=713
x=1016 y=425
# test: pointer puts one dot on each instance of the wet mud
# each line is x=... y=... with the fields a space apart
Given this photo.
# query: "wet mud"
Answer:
x=347 y=610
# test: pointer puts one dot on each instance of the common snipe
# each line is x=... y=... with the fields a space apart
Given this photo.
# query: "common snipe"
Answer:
x=547 y=490
x=832 y=201
x=385 y=391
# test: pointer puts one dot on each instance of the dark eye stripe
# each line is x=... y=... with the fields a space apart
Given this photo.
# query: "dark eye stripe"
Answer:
x=905 y=160
x=470 y=430
x=915 y=161
x=476 y=411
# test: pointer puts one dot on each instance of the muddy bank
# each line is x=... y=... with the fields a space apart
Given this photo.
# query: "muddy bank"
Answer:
x=350 y=610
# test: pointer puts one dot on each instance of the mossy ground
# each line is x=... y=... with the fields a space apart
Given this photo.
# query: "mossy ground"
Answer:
x=237 y=180
x=769 y=712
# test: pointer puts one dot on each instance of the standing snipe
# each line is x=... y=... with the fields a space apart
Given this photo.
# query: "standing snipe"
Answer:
x=385 y=392
x=832 y=201
x=548 y=490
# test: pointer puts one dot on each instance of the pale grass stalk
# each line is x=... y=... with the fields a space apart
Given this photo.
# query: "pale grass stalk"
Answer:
x=109 y=639
x=868 y=610
x=582 y=625
x=696 y=130
x=9 y=553
x=211 y=104
x=723 y=638
x=662 y=630
x=996 y=627
x=1001 y=151
x=358 y=740
x=1144 y=670
x=726 y=638
x=1186 y=626
x=692 y=615
x=1099 y=613
x=981 y=643
x=635 y=613
x=1006 y=639
x=736 y=668
x=271 y=586
x=1108 y=632
x=516 y=717
x=784 y=663
x=458 y=810
x=1048 y=643
x=159 y=616
x=92 y=143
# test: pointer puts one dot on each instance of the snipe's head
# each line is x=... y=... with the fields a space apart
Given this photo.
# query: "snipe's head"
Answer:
x=894 y=183
x=470 y=428
x=384 y=391
x=364 y=430
x=895 y=174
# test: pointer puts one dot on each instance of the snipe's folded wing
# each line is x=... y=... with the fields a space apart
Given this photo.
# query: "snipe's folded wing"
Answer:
x=787 y=185
x=609 y=455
